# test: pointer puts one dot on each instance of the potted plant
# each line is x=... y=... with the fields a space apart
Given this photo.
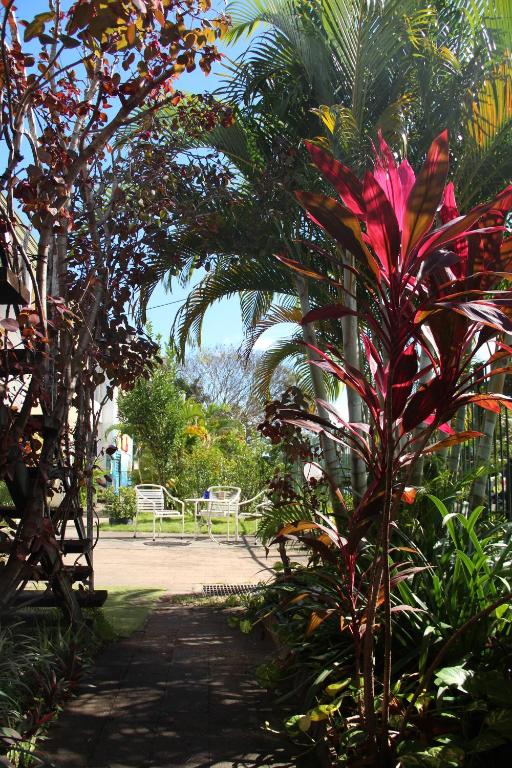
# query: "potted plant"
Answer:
x=121 y=506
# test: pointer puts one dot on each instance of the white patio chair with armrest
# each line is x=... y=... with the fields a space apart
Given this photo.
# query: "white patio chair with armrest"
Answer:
x=259 y=508
x=222 y=501
x=154 y=498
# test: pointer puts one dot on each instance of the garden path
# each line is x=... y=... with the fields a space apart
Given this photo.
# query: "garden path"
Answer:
x=180 y=692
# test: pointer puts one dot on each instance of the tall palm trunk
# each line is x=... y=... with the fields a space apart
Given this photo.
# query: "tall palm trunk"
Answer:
x=350 y=332
x=452 y=463
x=485 y=443
x=331 y=463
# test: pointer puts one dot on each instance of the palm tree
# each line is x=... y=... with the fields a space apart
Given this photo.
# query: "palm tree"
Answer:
x=352 y=66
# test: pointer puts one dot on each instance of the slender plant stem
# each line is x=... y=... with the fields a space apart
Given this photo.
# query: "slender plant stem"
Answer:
x=368 y=668
x=386 y=582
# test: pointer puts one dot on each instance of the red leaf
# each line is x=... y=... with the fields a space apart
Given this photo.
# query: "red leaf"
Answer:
x=450 y=232
x=422 y=404
x=449 y=209
x=409 y=495
x=330 y=312
x=485 y=312
x=381 y=224
x=375 y=363
x=405 y=371
x=10 y=324
x=350 y=376
x=300 y=527
x=456 y=439
x=407 y=179
x=302 y=270
x=317 y=618
x=426 y=194
x=406 y=609
x=338 y=222
x=387 y=177
x=490 y=402
x=446 y=428
x=346 y=184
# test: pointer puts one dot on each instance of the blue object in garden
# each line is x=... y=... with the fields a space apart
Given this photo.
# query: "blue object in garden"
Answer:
x=206 y=495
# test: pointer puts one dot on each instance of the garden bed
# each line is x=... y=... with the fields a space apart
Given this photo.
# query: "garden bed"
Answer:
x=42 y=660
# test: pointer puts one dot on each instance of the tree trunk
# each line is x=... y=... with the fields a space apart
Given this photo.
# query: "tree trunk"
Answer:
x=417 y=474
x=331 y=463
x=485 y=443
x=452 y=463
x=350 y=332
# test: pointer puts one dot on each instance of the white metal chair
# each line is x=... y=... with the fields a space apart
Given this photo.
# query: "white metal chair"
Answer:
x=154 y=498
x=259 y=509
x=222 y=501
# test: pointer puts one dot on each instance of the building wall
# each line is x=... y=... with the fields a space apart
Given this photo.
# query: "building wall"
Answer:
x=120 y=465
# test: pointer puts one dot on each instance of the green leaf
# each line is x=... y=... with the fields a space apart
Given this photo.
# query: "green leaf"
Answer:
x=69 y=42
x=245 y=626
x=323 y=711
x=500 y=720
x=456 y=676
x=305 y=723
x=10 y=733
x=435 y=757
x=439 y=504
x=334 y=688
x=46 y=39
x=485 y=741
x=292 y=724
x=36 y=26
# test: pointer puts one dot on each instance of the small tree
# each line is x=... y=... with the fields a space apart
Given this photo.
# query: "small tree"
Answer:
x=153 y=414
x=79 y=76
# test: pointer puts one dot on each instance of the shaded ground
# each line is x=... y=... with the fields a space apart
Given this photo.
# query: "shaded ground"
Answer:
x=180 y=692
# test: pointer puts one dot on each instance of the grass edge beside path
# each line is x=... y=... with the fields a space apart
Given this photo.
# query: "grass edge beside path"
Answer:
x=126 y=610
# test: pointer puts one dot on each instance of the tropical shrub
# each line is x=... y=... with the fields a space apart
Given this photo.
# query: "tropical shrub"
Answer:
x=40 y=665
x=429 y=281
x=120 y=504
x=462 y=716
x=152 y=413
x=245 y=465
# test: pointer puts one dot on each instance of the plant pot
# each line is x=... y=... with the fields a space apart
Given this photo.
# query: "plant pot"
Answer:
x=120 y=520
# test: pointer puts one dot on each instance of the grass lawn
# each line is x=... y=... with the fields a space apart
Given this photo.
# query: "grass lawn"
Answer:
x=126 y=609
x=220 y=526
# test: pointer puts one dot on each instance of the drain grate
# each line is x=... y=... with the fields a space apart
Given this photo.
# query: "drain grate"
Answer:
x=223 y=590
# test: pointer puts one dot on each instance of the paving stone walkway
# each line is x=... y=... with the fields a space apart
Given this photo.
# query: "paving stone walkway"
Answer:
x=180 y=692
x=179 y=565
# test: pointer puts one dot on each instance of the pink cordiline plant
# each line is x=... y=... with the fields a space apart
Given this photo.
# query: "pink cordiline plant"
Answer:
x=429 y=279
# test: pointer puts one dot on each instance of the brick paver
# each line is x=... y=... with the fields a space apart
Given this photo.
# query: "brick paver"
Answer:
x=181 y=692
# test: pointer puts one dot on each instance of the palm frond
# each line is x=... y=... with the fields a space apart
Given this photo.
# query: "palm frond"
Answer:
x=225 y=282
x=283 y=351
x=276 y=315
